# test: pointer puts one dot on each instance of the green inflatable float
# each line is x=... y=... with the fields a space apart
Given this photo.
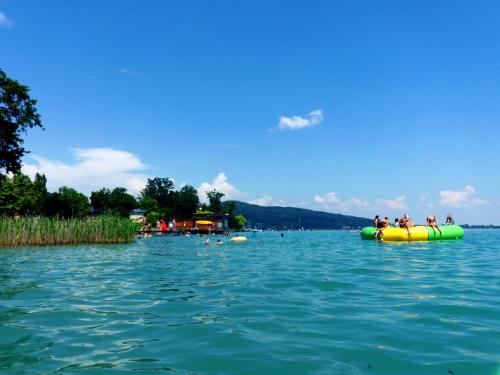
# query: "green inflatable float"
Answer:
x=417 y=233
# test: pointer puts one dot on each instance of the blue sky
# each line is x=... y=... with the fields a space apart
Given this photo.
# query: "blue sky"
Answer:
x=358 y=107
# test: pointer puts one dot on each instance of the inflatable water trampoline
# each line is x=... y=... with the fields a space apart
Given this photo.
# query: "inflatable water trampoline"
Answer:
x=417 y=233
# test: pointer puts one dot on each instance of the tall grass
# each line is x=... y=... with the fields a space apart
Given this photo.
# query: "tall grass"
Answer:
x=54 y=231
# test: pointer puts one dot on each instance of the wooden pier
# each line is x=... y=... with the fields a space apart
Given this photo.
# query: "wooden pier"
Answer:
x=182 y=232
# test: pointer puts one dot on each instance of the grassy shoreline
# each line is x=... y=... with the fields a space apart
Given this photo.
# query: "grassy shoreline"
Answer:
x=54 y=231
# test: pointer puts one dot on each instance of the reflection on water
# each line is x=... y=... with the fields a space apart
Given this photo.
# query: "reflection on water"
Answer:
x=312 y=302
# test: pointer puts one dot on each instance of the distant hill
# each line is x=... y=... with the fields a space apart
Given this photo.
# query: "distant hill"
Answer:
x=295 y=218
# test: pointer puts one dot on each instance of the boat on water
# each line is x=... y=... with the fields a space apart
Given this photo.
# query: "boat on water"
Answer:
x=416 y=233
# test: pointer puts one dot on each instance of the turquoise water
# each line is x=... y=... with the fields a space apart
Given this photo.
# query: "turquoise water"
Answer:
x=308 y=303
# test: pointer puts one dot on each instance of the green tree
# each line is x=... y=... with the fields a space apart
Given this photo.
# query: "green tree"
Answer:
x=152 y=217
x=19 y=194
x=160 y=189
x=204 y=209
x=214 y=198
x=229 y=207
x=17 y=115
x=116 y=202
x=66 y=203
x=100 y=200
x=149 y=204
x=186 y=201
x=166 y=213
x=40 y=187
x=121 y=203
x=235 y=221
x=239 y=222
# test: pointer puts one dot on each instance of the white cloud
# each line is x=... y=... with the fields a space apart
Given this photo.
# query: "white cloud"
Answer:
x=462 y=198
x=266 y=200
x=398 y=204
x=94 y=168
x=327 y=198
x=356 y=202
x=4 y=20
x=299 y=122
x=220 y=184
x=331 y=201
x=128 y=72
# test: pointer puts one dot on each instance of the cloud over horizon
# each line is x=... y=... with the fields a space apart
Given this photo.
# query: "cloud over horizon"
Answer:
x=93 y=169
x=298 y=122
x=221 y=184
x=267 y=200
x=396 y=204
x=332 y=201
x=460 y=199
x=96 y=168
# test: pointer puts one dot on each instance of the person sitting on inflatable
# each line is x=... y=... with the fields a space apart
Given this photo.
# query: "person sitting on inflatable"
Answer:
x=375 y=221
x=449 y=220
x=381 y=225
x=432 y=222
x=406 y=223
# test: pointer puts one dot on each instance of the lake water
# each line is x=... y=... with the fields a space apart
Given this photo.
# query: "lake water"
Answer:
x=308 y=303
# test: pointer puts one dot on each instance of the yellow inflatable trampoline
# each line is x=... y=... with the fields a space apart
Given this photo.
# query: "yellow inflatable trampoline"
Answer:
x=417 y=233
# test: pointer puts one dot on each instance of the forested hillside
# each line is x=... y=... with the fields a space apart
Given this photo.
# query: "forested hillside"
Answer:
x=295 y=218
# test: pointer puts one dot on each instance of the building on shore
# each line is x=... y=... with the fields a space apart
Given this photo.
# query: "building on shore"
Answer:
x=201 y=222
x=198 y=222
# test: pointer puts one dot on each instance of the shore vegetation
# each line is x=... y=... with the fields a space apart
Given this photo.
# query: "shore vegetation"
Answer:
x=37 y=231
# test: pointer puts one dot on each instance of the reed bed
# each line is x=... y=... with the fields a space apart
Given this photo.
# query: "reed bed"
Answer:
x=55 y=231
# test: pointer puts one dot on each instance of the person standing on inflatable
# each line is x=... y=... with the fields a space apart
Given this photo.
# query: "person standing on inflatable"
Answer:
x=381 y=225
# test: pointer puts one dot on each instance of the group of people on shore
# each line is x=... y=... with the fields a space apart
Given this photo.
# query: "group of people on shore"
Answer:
x=405 y=222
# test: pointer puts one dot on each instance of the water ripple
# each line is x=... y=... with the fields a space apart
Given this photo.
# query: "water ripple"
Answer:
x=316 y=302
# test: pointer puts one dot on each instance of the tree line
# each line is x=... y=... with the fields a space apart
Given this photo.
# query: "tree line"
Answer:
x=20 y=195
